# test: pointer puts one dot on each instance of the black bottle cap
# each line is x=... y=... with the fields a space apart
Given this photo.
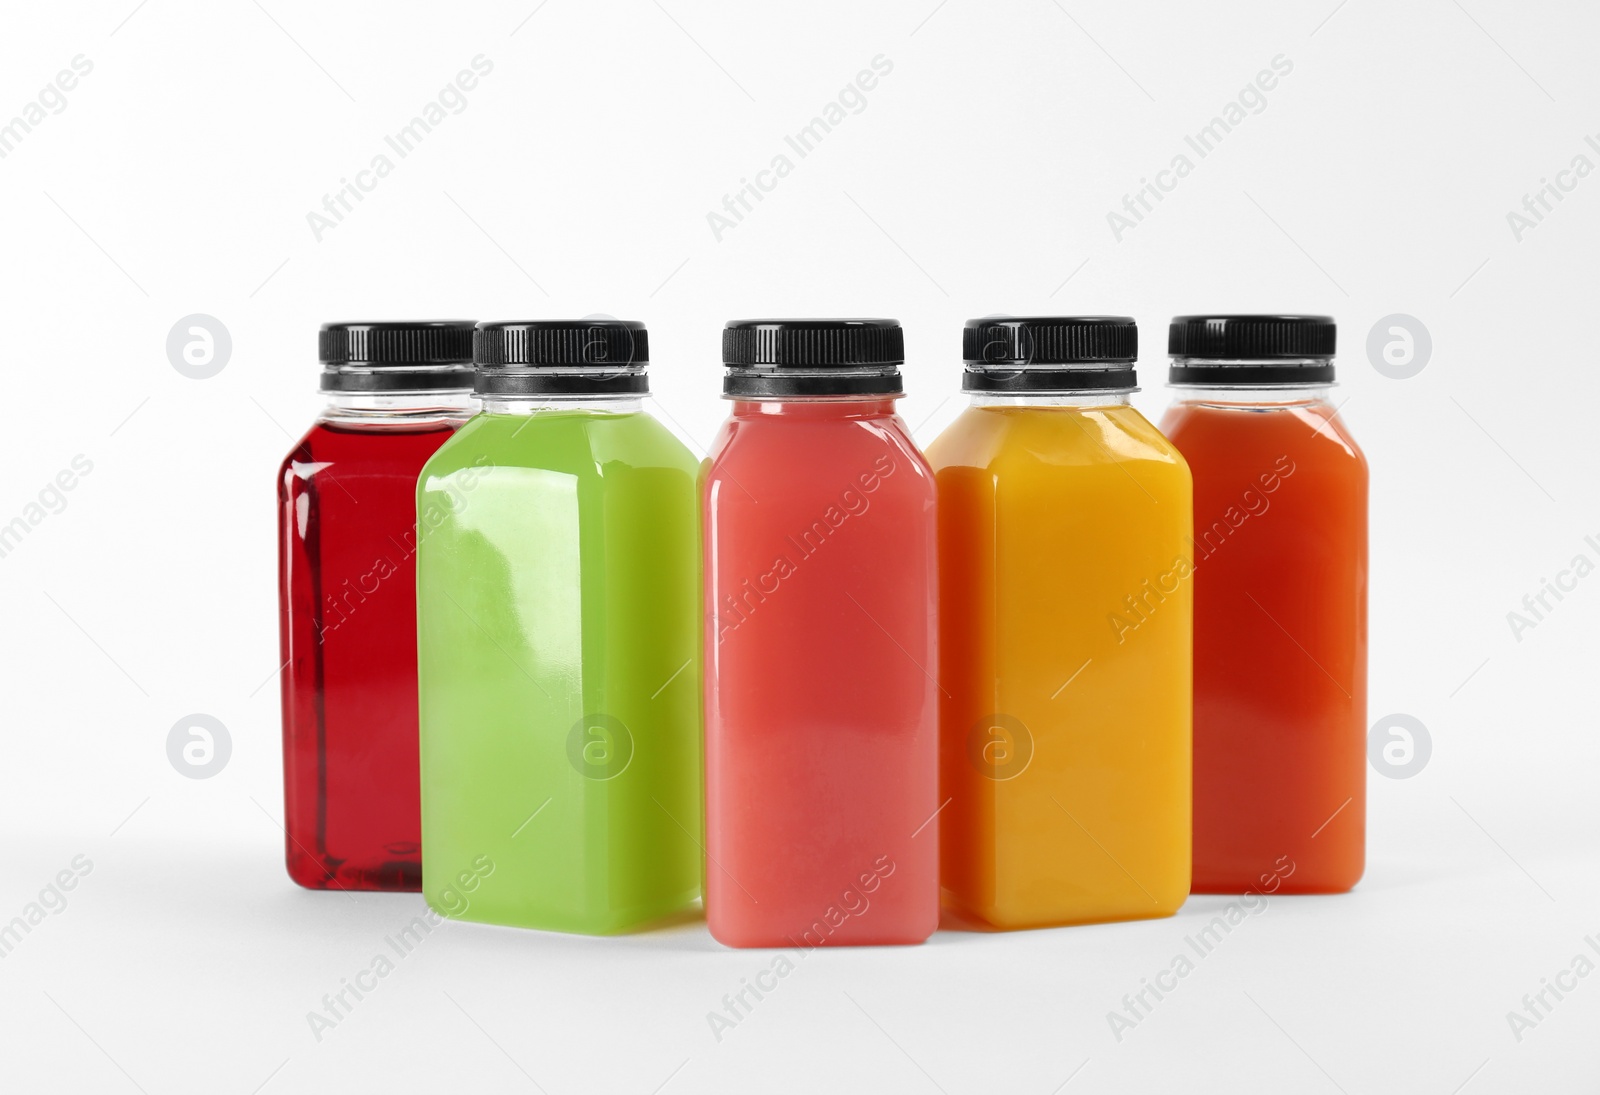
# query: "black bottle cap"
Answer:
x=1251 y=351
x=777 y=358
x=1025 y=354
x=593 y=356
x=412 y=356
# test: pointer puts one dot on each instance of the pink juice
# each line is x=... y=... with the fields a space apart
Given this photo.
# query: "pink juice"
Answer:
x=821 y=693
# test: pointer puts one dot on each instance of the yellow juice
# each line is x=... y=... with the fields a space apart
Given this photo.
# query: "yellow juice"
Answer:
x=1066 y=594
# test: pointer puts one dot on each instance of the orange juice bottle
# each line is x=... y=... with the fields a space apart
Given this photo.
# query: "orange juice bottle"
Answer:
x=1066 y=599
x=1280 y=673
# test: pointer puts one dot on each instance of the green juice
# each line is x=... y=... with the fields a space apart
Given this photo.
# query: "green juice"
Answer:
x=559 y=670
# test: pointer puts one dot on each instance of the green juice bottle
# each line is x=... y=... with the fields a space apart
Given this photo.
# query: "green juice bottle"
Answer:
x=558 y=621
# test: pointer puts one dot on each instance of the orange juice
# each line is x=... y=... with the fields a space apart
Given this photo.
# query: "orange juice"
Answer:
x=1066 y=598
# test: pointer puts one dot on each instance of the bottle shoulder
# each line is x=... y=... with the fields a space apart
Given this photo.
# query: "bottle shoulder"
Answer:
x=1310 y=432
x=776 y=449
x=574 y=442
x=998 y=438
x=332 y=449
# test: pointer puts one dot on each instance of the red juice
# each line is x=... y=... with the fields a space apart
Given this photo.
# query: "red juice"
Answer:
x=821 y=693
x=1280 y=610
x=347 y=606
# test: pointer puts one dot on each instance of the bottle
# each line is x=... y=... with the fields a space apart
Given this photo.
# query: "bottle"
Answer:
x=347 y=541
x=820 y=645
x=1063 y=533
x=559 y=632
x=1280 y=540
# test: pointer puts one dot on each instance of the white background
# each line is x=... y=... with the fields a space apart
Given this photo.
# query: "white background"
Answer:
x=1377 y=180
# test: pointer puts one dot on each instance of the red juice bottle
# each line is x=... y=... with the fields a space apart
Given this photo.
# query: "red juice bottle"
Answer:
x=347 y=541
x=1280 y=604
x=821 y=656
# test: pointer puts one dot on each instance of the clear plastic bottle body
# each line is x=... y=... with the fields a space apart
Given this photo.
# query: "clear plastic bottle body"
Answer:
x=1065 y=646
x=347 y=539
x=821 y=676
x=559 y=668
x=1280 y=546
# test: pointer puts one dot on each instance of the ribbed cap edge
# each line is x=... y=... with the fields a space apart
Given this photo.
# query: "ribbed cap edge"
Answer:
x=1252 y=337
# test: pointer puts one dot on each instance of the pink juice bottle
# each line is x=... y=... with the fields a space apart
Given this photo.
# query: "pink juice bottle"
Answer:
x=821 y=734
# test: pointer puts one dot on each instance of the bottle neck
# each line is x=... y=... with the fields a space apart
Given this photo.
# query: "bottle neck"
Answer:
x=816 y=406
x=1296 y=395
x=522 y=405
x=1051 y=399
x=391 y=408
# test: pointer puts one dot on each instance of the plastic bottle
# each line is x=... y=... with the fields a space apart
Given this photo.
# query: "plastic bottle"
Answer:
x=346 y=552
x=1064 y=519
x=559 y=632
x=820 y=639
x=1280 y=542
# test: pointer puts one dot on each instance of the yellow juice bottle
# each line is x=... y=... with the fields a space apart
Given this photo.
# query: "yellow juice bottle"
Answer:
x=1066 y=594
